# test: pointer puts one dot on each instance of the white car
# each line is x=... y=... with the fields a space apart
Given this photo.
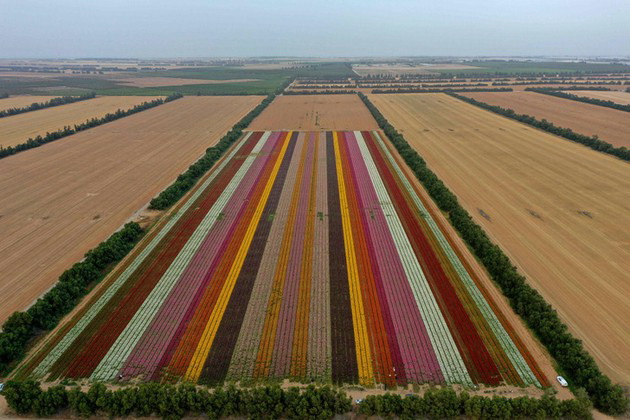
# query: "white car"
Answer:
x=562 y=381
x=1 y=387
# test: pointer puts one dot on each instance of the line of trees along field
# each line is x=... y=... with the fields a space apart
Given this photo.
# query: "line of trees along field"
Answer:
x=187 y=180
x=574 y=362
x=593 y=142
x=174 y=402
x=22 y=327
x=63 y=100
x=68 y=131
x=593 y=101
x=416 y=90
x=4 y=95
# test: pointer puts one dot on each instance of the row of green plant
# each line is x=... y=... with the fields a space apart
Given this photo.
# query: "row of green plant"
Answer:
x=593 y=142
x=93 y=122
x=22 y=327
x=63 y=100
x=446 y=90
x=600 y=102
x=562 y=82
x=575 y=363
x=445 y=403
x=187 y=180
x=174 y=402
x=4 y=95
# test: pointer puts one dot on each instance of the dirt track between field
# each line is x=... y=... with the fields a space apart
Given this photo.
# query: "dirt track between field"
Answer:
x=65 y=198
x=315 y=112
x=558 y=209
x=17 y=129
x=609 y=124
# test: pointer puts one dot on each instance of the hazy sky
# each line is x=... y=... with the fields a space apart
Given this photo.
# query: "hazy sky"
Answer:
x=204 y=28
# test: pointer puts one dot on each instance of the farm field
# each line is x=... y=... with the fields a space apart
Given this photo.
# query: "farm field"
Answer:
x=22 y=101
x=63 y=199
x=558 y=209
x=173 y=81
x=609 y=124
x=304 y=255
x=622 y=98
x=315 y=112
x=394 y=69
x=17 y=129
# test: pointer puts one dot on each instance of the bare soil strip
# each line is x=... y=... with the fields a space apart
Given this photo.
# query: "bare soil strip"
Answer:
x=609 y=124
x=17 y=129
x=315 y=112
x=558 y=209
x=61 y=200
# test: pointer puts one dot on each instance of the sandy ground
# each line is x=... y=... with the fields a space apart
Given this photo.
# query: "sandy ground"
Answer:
x=609 y=124
x=558 y=209
x=615 y=96
x=173 y=81
x=17 y=129
x=60 y=200
x=22 y=101
x=315 y=112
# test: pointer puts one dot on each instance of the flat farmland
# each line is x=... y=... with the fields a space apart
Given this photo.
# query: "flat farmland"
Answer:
x=61 y=200
x=622 y=98
x=558 y=209
x=304 y=255
x=315 y=112
x=609 y=124
x=22 y=101
x=17 y=129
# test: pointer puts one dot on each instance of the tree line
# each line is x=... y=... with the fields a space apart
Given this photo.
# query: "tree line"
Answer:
x=319 y=92
x=174 y=402
x=4 y=95
x=573 y=360
x=311 y=402
x=93 y=122
x=62 y=100
x=21 y=327
x=593 y=142
x=419 y=90
x=187 y=180
x=444 y=403
x=600 y=102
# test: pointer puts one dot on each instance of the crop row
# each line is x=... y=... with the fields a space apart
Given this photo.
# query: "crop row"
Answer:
x=305 y=255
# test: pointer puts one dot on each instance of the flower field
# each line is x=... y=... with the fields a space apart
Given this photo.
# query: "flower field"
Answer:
x=303 y=255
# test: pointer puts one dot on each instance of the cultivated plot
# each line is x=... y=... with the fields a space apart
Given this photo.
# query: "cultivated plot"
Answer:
x=63 y=199
x=22 y=101
x=315 y=112
x=609 y=124
x=622 y=98
x=304 y=255
x=17 y=129
x=558 y=209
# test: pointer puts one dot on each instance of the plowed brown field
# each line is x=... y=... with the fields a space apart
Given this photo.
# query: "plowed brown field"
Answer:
x=558 y=209
x=622 y=98
x=17 y=129
x=609 y=124
x=61 y=200
x=22 y=101
x=315 y=112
